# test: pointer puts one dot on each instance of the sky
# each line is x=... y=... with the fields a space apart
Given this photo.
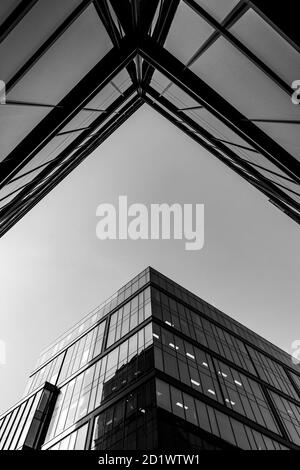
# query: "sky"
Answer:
x=54 y=270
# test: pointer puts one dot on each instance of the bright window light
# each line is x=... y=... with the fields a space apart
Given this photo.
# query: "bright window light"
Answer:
x=222 y=373
x=173 y=346
x=238 y=383
x=230 y=401
x=182 y=406
x=190 y=355
x=194 y=382
x=155 y=336
x=211 y=391
x=205 y=364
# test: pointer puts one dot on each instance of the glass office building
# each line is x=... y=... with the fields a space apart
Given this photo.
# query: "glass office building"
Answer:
x=156 y=367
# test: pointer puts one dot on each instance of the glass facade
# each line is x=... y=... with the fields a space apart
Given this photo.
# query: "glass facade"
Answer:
x=211 y=420
x=93 y=317
x=128 y=424
x=159 y=368
x=97 y=383
x=23 y=426
x=74 y=441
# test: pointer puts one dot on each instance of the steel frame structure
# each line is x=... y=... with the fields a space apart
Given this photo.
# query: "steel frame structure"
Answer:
x=138 y=30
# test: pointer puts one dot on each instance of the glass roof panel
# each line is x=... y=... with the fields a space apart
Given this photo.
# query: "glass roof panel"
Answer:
x=290 y=189
x=219 y=9
x=47 y=155
x=166 y=88
x=287 y=135
x=106 y=97
x=83 y=119
x=15 y=123
x=117 y=112
x=247 y=88
x=268 y=45
x=49 y=152
x=6 y=8
x=243 y=84
x=8 y=199
x=218 y=129
x=66 y=62
x=159 y=81
x=10 y=187
x=214 y=126
x=284 y=184
x=84 y=44
x=222 y=66
x=36 y=26
x=179 y=98
x=187 y=33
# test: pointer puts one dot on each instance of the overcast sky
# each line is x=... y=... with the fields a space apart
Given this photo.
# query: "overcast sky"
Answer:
x=53 y=268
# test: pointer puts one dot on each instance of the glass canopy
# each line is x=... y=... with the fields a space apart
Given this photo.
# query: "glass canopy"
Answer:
x=220 y=70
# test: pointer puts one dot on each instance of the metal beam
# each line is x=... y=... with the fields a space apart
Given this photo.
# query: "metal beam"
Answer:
x=276 y=121
x=243 y=147
x=293 y=214
x=15 y=17
x=70 y=148
x=101 y=74
x=47 y=44
x=206 y=96
x=271 y=186
x=161 y=31
x=17 y=212
x=240 y=46
x=105 y=16
x=284 y=18
x=229 y=21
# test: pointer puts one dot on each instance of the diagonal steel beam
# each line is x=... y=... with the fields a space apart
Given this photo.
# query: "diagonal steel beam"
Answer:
x=240 y=46
x=260 y=185
x=76 y=143
x=283 y=18
x=223 y=148
x=47 y=44
x=101 y=74
x=17 y=211
x=235 y=14
x=15 y=17
x=105 y=16
x=161 y=31
x=206 y=96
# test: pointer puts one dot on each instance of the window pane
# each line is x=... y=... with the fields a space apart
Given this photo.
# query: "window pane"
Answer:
x=183 y=42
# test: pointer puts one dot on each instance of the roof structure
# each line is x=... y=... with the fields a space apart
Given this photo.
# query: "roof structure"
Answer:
x=219 y=70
